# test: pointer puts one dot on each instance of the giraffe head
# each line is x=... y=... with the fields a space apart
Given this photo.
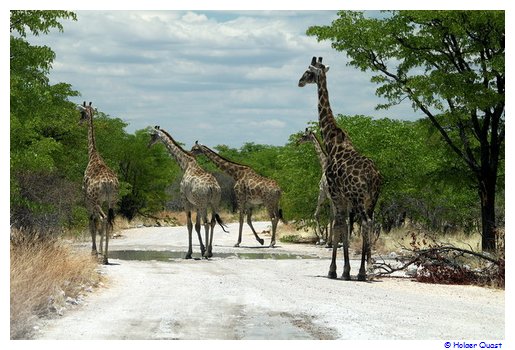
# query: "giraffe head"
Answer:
x=86 y=112
x=305 y=137
x=154 y=136
x=196 y=149
x=314 y=71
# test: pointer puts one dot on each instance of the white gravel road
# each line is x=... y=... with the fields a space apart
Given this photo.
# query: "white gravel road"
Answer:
x=162 y=296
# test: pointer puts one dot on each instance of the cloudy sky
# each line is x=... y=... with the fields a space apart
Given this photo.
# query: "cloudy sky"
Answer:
x=220 y=77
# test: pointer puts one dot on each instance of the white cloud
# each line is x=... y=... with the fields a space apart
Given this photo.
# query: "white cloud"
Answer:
x=269 y=123
x=211 y=75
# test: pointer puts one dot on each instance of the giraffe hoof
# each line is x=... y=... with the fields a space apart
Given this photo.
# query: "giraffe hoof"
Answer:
x=272 y=245
x=362 y=277
x=346 y=276
x=236 y=245
x=332 y=275
x=188 y=256
x=261 y=241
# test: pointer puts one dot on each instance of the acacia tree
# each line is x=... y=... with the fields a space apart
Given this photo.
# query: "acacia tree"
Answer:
x=40 y=123
x=450 y=65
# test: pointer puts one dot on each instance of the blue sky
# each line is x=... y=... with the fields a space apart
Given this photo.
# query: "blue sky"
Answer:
x=220 y=77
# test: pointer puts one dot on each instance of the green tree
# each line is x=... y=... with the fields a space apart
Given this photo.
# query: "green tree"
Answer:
x=148 y=172
x=450 y=65
x=40 y=114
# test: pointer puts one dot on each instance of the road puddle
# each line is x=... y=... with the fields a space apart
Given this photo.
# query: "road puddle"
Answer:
x=165 y=255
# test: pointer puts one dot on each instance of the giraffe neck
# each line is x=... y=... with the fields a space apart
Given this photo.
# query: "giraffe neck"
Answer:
x=234 y=170
x=319 y=149
x=331 y=133
x=92 y=148
x=181 y=156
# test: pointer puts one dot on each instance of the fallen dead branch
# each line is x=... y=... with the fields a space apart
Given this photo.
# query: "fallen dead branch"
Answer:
x=445 y=264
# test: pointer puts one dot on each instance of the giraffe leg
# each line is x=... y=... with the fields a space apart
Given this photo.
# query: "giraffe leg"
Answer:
x=108 y=229
x=249 y=222
x=345 y=243
x=93 y=232
x=330 y=231
x=332 y=267
x=105 y=225
x=190 y=229
x=212 y=226
x=365 y=232
x=197 y=229
x=207 y=225
x=240 y=229
x=318 y=228
x=102 y=217
x=275 y=221
x=339 y=231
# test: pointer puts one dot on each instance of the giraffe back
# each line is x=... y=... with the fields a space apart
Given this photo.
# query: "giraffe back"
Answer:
x=199 y=187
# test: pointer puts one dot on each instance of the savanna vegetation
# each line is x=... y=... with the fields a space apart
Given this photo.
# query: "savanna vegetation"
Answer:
x=441 y=173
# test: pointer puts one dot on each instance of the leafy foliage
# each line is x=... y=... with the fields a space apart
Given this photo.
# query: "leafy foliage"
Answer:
x=450 y=65
x=424 y=180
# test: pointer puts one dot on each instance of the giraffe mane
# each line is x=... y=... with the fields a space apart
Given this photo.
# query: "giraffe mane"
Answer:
x=224 y=158
x=175 y=142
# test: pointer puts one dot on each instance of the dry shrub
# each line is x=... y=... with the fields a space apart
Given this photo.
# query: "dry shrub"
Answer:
x=440 y=261
x=42 y=271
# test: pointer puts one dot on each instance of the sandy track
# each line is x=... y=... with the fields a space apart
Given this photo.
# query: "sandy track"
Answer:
x=232 y=298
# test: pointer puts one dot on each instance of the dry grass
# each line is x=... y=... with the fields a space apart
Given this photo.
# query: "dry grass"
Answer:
x=178 y=218
x=400 y=239
x=42 y=273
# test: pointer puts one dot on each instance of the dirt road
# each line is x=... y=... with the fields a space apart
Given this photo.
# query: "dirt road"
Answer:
x=264 y=293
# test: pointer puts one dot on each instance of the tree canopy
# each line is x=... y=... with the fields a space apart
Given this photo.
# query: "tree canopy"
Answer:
x=450 y=65
x=428 y=176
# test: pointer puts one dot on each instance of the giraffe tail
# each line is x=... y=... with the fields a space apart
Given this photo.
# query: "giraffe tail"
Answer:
x=281 y=217
x=110 y=218
x=221 y=223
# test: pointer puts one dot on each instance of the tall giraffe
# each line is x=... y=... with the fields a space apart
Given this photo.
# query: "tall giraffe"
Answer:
x=100 y=186
x=251 y=190
x=354 y=181
x=199 y=191
x=323 y=190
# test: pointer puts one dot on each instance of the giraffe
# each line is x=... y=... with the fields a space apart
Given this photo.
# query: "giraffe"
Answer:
x=353 y=180
x=323 y=190
x=199 y=191
x=251 y=190
x=100 y=186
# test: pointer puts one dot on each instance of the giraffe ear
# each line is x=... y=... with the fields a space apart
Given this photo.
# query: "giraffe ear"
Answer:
x=326 y=68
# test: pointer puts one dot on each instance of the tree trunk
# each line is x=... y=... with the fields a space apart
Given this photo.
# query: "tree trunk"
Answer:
x=487 y=196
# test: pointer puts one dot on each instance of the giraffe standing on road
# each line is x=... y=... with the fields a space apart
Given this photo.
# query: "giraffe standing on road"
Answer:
x=199 y=191
x=100 y=186
x=353 y=180
x=323 y=190
x=251 y=190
